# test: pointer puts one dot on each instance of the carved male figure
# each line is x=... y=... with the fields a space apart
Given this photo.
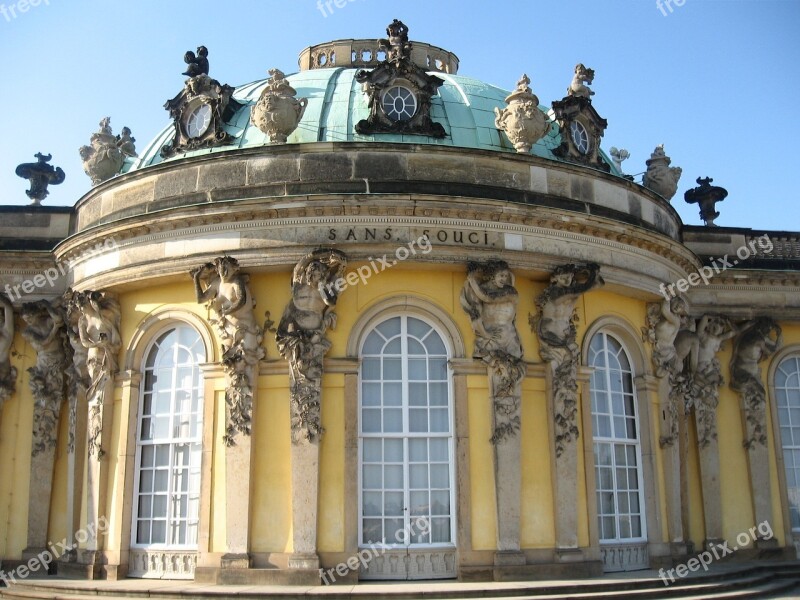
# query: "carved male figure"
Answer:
x=45 y=333
x=555 y=325
x=225 y=290
x=301 y=335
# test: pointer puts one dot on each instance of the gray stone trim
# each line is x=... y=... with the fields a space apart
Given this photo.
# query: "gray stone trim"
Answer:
x=791 y=537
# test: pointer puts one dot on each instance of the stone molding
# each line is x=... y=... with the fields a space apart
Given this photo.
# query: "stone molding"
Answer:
x=278 y=170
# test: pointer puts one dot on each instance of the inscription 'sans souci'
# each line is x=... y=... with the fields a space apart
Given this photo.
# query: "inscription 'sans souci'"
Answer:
x=443 y=236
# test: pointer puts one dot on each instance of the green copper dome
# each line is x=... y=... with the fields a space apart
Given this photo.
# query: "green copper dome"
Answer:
x=336 y=102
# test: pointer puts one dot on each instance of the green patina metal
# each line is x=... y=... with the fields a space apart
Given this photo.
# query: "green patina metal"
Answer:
x=464 y=107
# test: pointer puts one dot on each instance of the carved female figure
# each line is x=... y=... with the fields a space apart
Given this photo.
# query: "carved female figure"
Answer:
x=8 y=374
x=490 y=299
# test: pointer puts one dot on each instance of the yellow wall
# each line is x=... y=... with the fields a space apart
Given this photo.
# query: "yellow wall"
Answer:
x=271 y=482
x=16 y=433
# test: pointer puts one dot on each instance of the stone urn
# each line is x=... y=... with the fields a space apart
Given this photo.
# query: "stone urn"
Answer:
x=522 y=121
x=706 y=196
x=660 y=177
x=278 y=112
x=104 y=157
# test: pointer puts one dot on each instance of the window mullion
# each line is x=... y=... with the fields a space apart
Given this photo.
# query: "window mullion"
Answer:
x=406 y=430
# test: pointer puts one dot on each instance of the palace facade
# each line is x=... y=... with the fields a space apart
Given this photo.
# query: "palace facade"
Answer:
x=379 y=309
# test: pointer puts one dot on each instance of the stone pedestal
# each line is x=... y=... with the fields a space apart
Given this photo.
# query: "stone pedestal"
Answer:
x=671 y=455
x=97 y=468
x=507 y=479
x=41 y=484
x=564 y=474
x=76 y=461
x=305 y=494
x=757 y=462
x=712 y=504
x=238 y=476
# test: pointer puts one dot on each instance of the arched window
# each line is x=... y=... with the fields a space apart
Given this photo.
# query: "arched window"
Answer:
x=169 y=447
x=406 y=442
x=617 y=452
x=787 y=397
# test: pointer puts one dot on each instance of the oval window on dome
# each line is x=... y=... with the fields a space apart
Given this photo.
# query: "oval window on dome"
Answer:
x=399 y=103
x=198 y=120
x=580 y=137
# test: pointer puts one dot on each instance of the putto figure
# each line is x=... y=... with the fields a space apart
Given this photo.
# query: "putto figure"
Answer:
x=198 y=63
x=577 y=87
x=555 y=326
x=397 y=45
x=490 y=299
x=301 y=336
x=225 y=290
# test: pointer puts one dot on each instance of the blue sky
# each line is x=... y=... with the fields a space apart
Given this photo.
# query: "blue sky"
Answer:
x=714 y=80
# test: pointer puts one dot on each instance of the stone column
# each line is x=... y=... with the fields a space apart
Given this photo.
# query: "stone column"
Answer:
x=754 y=344
x=78 y=381
x=555 y=326
x=238 y=476
x=671 y=457
x=564 y=475
x=508 y=476
x=46 y=334
x=226 y=292
x=712 y=332
x=101 y=415
x=316 y=283
x=490 y=299
x=212 y=373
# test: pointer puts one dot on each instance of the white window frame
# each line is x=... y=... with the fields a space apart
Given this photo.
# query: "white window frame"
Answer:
x=138 y=445
x=613 y=441
x=782 y=393
x=405 y=435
